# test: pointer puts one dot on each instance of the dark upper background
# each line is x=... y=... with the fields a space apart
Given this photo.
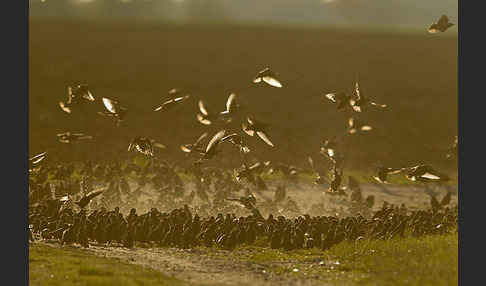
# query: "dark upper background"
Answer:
x=136 y=51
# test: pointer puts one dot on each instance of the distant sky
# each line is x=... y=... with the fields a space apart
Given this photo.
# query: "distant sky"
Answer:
x=388 y=14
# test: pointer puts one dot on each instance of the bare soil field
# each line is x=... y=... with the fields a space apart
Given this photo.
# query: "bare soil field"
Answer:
x=138 y=62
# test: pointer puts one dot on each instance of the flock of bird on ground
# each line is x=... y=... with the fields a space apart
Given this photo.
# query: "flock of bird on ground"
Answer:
x=52 y=215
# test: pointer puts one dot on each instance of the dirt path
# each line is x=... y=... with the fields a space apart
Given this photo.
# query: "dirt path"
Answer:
x=202 y=267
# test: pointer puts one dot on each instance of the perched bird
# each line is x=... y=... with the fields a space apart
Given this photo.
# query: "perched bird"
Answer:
x=212 y=148
x=68 y=137
x=113 y=109
x=358 y=101
x=195 y=147
x=383 y=172
x=175 y=97
x=142 y=145
x=342 y=99
x=425 y=173
x=268 y=76
x=355 y=125
x=441 y=25
x=204 y=117
x=252 y=126
x=35 y=160
x=76 y=95
x=84 y=201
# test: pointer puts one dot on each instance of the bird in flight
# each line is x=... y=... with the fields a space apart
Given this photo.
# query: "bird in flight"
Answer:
x=113 y=109
x=267 y=76
x=355 y=126
x=76 y=95
x=358 y=100
x=84 y=201
x=425 y=173
x=68 y=137
x=441 y=25
x=175 y=98
x=195 y=147
x=204 y=117
x=142 y=145
x=252 y=126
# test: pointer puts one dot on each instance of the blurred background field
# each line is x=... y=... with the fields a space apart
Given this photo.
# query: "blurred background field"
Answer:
x=136 y=61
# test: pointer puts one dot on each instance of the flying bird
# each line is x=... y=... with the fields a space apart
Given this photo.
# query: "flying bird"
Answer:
x=142 y=145
x=252 y=126
x=175 y=98
x=212 y=147
x=425 y=173
x=204 y=117
x=113 y=109
x=84 y=201
x=35 y=160
x=195 y=147
x=76 y=95
x=342 y=99
x=329 y=148
x=231 y=105
x=68 y=137
x=355 y=126
x=383 y=172
x=268 y=76
x=237 y=140
x=441 y=25
x=358 y=100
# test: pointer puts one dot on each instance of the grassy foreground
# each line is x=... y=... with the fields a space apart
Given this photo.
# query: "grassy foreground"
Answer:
x=69 y=266
x=431 y=260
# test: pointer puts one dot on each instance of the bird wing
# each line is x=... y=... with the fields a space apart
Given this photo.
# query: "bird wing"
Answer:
x=351 y=122
x=443 y=20
x=94 y=194
x=264 y=137
x=202 y=108
x=64 y=107
x=430 y=176
x=186 y=149
x=272 y=81
x=215 y=140
x=357 y=91
x=37 y=158
x=89 y=96
x=378 y=105
x=164 y=104
x=110 y=104
x=331 y=96
x=366 y=128
x=230 y=102
x=203 y=120
x=199 y=140
x=246 y=129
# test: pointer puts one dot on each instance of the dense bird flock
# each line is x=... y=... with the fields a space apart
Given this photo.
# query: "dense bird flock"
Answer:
x=69 y=202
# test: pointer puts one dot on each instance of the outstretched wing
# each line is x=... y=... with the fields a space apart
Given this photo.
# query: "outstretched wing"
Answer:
x=201 y=138
x=91 y=195
x=110 y=104
x=264 y=137
x=202 y=108
x=272 y=81
x=230 y=102
x=215 y=140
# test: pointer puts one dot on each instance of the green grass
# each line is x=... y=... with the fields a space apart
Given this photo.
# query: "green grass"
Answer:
x=70 y=266
x=430 y=260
